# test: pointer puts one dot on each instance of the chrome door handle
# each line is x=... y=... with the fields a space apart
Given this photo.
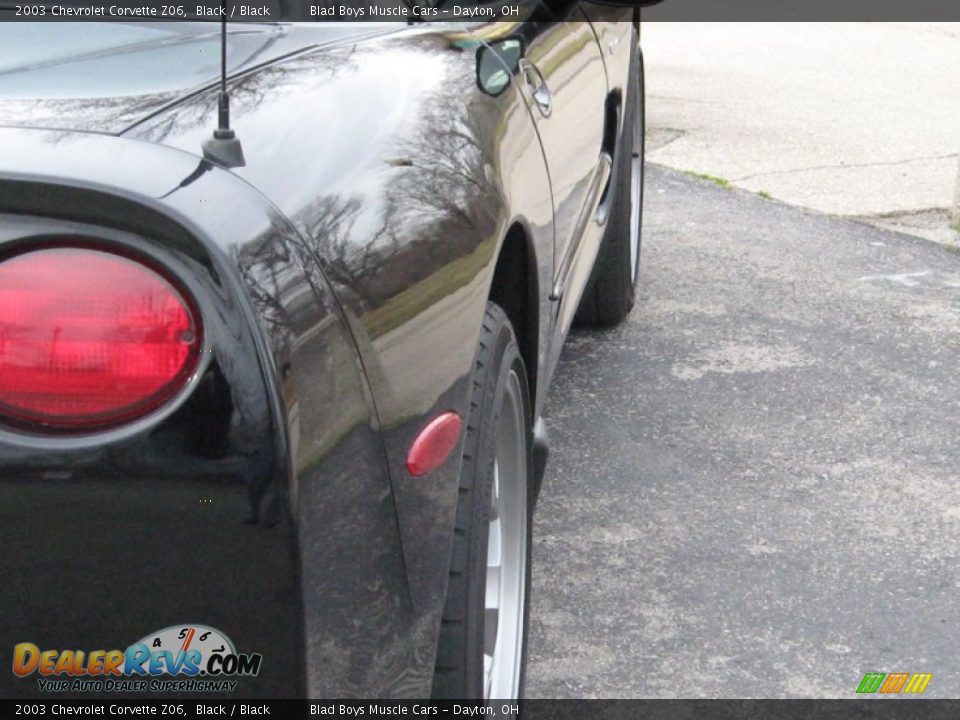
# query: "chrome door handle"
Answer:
x=537 y=85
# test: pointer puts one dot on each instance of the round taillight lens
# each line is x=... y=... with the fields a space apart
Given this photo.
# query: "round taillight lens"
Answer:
x=90 y=339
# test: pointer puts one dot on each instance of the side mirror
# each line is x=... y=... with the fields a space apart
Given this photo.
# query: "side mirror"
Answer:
x=496 y=63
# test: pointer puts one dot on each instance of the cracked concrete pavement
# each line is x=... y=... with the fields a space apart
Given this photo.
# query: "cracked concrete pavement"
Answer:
x=753 y=483
x=860 y=120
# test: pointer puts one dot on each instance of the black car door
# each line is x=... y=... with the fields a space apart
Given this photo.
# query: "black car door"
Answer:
x=563 y=76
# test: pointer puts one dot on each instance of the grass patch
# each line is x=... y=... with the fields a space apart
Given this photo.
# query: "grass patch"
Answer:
x=955 y=227
x=765 y=195
x=722 y=182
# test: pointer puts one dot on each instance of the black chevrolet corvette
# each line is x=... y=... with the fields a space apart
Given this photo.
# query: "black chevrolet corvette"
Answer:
x=276 y=337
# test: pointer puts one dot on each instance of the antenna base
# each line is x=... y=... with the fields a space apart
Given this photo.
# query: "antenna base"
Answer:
x=224 y=149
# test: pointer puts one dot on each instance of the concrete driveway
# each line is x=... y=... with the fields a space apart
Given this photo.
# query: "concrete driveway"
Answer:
x=754 y=489
x=854 y=119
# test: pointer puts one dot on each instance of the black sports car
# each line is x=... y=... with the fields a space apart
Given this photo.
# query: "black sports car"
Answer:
x=270 y=396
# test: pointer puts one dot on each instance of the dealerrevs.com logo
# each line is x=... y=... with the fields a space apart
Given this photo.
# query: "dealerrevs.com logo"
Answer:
x=180 y=658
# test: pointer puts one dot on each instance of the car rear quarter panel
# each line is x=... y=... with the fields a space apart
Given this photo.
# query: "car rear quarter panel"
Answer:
x=401 y=180
x=217 y=510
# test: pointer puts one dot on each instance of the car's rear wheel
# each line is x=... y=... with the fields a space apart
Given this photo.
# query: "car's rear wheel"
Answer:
x=481 y=651
x=609 y=295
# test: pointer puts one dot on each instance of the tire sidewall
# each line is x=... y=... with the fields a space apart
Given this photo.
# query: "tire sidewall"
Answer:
x=498 y=356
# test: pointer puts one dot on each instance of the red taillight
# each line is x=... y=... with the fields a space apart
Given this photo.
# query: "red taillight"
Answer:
x=90 y=339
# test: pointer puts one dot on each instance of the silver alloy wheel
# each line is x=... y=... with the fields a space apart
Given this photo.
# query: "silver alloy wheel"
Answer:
x=506 y=552
x=636 y=170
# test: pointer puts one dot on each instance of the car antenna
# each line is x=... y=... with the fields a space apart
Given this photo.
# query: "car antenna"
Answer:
x=224 y=147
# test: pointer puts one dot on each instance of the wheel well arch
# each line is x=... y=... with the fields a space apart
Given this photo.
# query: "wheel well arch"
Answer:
x=515 y=288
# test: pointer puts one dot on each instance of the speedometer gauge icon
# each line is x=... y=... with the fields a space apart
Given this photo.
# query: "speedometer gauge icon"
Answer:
x=178 y=640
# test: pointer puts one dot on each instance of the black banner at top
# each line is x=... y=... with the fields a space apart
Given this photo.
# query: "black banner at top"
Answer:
x=178 y=709
x=473 y=11
x=804 y=11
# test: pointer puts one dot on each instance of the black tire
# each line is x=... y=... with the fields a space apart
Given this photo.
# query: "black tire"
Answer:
x=459 y=671
x=609 y=295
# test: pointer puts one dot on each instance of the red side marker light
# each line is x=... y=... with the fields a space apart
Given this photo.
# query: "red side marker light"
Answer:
x=434 y=444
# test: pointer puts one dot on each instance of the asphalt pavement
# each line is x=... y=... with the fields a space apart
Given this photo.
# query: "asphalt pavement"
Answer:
x=753 y=484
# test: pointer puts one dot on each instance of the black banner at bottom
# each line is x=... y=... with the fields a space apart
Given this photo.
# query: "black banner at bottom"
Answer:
x=880 y=708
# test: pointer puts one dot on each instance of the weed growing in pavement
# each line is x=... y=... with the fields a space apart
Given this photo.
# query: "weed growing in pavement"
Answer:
x=717 y=180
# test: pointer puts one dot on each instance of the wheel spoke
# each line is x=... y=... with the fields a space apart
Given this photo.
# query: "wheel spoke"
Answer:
x=487 y=674
x=494 y=545
x=492 y=601
x=636 y=197
x=491 y=626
